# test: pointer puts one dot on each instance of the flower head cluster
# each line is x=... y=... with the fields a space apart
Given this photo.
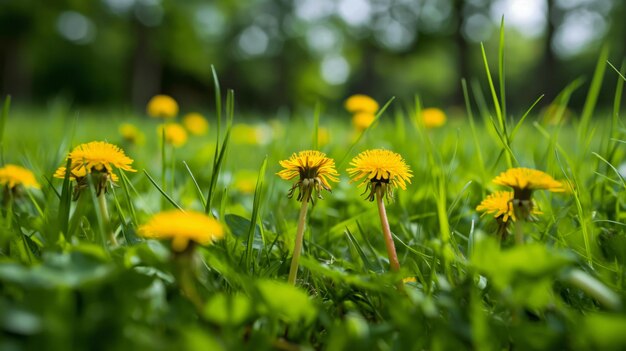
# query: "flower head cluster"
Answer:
x=12 y=176
x=363 y=109
x=314 y=171
x=162 y=106
x=98 y=158
x=182 y=228
x=381 y=170
x=432 y=117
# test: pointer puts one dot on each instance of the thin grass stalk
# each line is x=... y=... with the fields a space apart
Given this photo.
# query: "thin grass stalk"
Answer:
x=297 y=249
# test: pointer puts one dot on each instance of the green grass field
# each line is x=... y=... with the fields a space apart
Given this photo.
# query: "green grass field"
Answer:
x=65 y=285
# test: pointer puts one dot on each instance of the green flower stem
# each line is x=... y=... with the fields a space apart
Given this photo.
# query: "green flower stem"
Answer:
x=391 y=248
x=295 y=259
x=185 y=263
x=104 y=213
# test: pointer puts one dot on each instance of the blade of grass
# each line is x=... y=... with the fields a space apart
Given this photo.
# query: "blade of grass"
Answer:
x=352 y=240
x=165 y=195
x=521 y=120
x=129 y=202
x=195 y=183
x=216 y=170
x=496 y=104
x=501 y=75
x=477 y=144
x=592 y=94
x=255 y=212
x=65 y=202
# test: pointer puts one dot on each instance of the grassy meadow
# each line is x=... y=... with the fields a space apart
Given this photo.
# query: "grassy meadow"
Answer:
x=66 y=285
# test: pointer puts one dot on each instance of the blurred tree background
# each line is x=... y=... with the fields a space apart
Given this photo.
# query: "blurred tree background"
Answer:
x=289 y=52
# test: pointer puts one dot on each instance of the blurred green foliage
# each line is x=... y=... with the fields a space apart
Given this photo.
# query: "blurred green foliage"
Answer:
x=292 y=52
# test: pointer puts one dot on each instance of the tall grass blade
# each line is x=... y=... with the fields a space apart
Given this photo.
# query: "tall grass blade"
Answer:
x=592 y=94
x=165 y=195
x=258 y=192
x=195 y=183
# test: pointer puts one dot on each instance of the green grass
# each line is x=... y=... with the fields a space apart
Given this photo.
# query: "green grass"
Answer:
x=63 y=287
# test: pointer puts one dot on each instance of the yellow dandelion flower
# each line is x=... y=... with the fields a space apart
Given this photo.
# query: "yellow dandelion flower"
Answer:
x=131 y=134
x=195 y=123
x=362 y=120
x=175 y=134
x=95 y=156
x=162 y=106
x=499 y=204
x=433 y=117
x=98 y=158
x=361 y=103
x=181 y=228
x=381 y=170
x=313 y=170
x=525 y=180
x=11 y=176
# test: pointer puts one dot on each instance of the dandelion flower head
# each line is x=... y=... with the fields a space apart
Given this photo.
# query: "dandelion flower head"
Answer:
x=314 y=171
x=362 y=120
x=499 y=204
x=380 y=169
x=433 y=117
x=181 y=228
x=96 y=156
x=162 y=106
x=12 y=176
x=195 y=123
x=175 y=134
x=525 y=180
x=361 y=103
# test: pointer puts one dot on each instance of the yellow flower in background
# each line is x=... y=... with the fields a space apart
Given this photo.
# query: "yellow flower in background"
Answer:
x=525 y=180
x=181 y=228
x=362 y=120
x=131 y=134
x=175 y=134
x=245 y=181
x=12 y=176
x=162 y=106
x=195 y=123
x=361 y=103
x=381 y=170
x=433 y=117
x=313 y=170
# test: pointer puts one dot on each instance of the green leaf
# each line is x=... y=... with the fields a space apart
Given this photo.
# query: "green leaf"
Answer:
x=226 y=309
x=286 y=302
